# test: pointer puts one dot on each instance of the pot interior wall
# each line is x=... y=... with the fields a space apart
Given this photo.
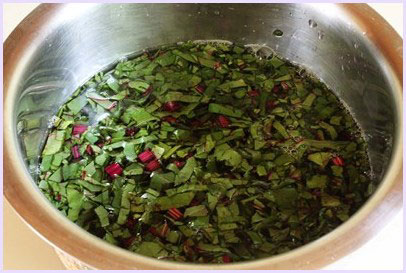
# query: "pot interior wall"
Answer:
x=82 y=40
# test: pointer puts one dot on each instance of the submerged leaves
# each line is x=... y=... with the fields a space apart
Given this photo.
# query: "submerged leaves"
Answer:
x=205 y=153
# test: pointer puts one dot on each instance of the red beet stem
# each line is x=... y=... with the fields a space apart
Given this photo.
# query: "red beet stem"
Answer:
x=175 y=213
x=172 y=106
x=126 y=243
x=154 y=232
x=195 y=202
x=196 y=123
x=146 y=156
x=58 y=197
x=112 y=105
x=179 y=164
x=83 y=175
x=223 y=121
x=131 y=222
x=270 y=104
x=285 y=86
x=200 y=88
x=227 y=259
x=169 y=119
x=79 y=129
x=113 y=170
x=131 y=131
x=89 y=150
x=276 y=89
x=164 y=230
x=338 y=161
x=147 y=91
x=75 y=151
x=153 y=165
x=253 y=93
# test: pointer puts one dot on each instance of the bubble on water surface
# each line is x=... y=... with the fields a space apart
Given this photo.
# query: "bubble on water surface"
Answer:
x=277 y=33
x=312 y=23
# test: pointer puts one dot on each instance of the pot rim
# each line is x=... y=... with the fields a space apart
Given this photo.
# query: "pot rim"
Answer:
x=48 y=223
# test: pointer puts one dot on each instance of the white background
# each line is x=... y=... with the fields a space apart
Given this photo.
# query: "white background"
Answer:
x=23 y=249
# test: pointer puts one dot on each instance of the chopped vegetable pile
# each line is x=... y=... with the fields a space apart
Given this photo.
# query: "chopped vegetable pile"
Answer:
x=205 y=153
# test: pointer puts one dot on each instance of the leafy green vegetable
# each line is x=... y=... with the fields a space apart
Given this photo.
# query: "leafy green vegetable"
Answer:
x=205 y=153
x=281 y=129
x=179 y=96
x=186 y=171
x=224 y=152
x=75 y=201
x=139 y=85
x=317 y=181
x=225 y=110
x=187 y=56
x=232 y=84
x=103 y=216
x=320 y=158
x=129 y=151
x=207 y=63
x=77 y=104
x=174 y=201
x=330 y=201
x=166 y=59
x=150 y=249
x=285 y=197
x=307 y=103
x=196 y=211
x=113 y=84
x=56 y=176
x=141 y=117
x=133 y=169
x=160 y=181
x=54 y=143
x=330 y=129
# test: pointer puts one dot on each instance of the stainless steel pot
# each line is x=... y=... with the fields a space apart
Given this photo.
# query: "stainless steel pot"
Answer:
x=59 y=46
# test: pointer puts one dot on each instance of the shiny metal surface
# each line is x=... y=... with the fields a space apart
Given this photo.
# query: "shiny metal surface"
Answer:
x=58 y=47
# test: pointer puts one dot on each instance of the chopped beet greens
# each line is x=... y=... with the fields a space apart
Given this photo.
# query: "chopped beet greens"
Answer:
x=205 y=153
